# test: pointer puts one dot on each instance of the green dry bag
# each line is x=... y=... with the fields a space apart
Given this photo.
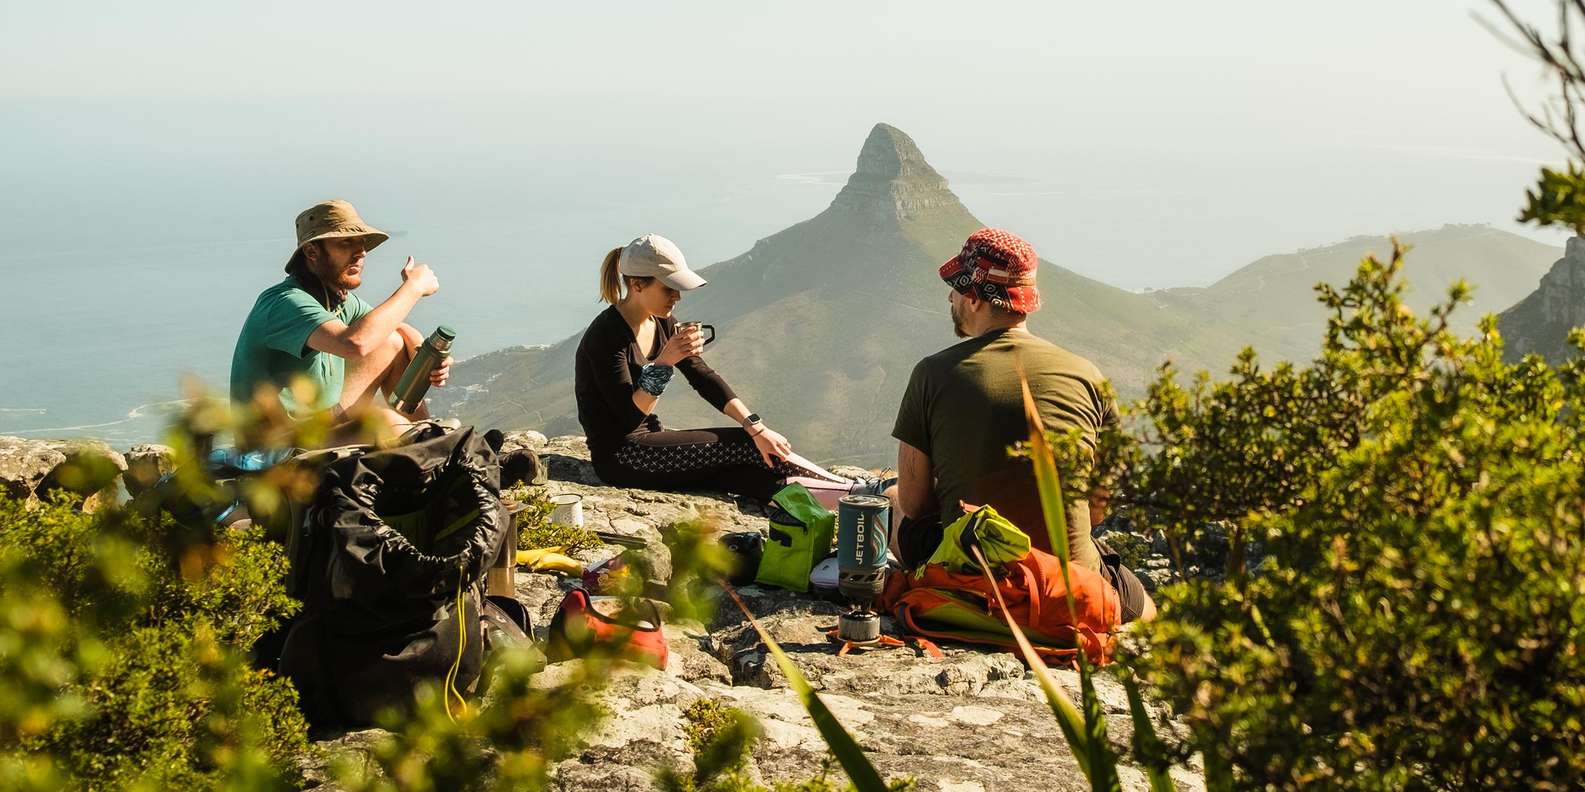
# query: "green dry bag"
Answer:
x=801 y=532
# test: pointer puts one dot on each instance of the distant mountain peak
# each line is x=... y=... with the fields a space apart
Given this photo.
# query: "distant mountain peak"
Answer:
x=889 y=154
x=1541 y=322
x=893 y=177
x=1574 y=249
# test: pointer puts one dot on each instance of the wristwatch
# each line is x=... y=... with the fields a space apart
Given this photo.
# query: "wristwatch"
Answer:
x=750 y=422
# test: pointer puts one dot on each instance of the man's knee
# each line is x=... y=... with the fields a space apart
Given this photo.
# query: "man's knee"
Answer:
x=411 y=338
x=1147 y=610
x=382 y=354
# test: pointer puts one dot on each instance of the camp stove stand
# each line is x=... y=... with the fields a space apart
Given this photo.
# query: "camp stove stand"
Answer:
x=860 y=626
x=860 y=629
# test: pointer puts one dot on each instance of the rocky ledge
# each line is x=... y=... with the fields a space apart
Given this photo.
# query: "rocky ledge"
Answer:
x=971 y=720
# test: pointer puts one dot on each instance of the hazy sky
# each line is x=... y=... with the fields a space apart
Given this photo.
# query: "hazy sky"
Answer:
x=1233 y=73
x=1100 y=99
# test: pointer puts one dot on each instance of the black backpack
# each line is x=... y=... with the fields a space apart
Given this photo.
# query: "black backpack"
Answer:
x=390 y=563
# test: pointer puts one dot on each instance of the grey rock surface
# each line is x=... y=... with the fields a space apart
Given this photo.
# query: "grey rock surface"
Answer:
x=31 y=468
x=146 y=463
x=520 y=461
x=968 y=720
x=24 y=464
x=1540 y=323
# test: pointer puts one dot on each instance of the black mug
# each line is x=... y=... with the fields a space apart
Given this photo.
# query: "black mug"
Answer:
x=702 y=327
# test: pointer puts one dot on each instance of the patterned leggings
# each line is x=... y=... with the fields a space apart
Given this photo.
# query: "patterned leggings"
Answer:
x=721 y=459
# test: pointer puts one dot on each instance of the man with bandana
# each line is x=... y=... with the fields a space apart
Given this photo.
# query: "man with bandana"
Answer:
x=964 y=407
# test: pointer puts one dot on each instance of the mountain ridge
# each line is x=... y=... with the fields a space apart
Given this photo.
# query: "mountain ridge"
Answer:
x=1273 y=297
x=821 y=323
x=1540 y=323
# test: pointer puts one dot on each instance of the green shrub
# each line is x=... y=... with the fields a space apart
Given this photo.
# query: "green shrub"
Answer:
x=705 y=720
x=1419 y=621
x=534 y=528
x=133 y=668
x=720 y=738
x=1132 y=547
x=510 y=741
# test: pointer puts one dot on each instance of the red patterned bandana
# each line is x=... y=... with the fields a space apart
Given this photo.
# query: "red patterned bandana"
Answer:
x=998 y=267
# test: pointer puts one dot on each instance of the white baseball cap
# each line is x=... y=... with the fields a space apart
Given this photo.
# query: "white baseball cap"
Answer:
x=654 y=256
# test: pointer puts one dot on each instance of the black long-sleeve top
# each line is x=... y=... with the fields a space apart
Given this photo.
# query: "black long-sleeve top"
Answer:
x=606 y=374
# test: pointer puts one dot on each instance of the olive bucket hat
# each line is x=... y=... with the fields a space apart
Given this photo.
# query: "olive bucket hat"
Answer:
x=332 y=220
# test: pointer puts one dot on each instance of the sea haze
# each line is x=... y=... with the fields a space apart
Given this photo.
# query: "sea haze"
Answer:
x=135 y=236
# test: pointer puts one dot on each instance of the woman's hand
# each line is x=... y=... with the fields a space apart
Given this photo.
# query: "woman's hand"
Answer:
x=682 y=345
x=772 y=446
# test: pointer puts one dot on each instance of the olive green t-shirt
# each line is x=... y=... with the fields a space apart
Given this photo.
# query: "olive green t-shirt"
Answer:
x=964 y=407
x=273 y=347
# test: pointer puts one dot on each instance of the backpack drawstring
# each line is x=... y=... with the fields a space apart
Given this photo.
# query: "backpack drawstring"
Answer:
x=462 y=645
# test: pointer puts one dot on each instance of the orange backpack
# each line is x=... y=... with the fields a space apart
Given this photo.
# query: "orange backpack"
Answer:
x=936 y=602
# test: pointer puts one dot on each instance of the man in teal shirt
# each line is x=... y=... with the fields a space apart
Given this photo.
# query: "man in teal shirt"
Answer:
x=313 y=345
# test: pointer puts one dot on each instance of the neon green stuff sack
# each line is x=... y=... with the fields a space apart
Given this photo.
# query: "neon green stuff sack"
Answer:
x=801 y=533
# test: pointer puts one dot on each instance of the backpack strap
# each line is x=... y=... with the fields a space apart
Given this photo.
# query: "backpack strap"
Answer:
x=1034 y=598
x=905 y=614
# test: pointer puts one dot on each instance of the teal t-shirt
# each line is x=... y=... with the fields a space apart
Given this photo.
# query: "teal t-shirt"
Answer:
x=273 y=350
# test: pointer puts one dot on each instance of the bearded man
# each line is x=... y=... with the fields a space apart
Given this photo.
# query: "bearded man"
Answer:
x=312 y=346
x=964 y=407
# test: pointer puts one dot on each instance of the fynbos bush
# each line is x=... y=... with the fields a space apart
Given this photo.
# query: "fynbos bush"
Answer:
x=1420 y=618
x=124 y=666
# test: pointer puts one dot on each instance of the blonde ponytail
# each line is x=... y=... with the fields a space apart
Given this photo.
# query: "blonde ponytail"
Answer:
x=610 y=280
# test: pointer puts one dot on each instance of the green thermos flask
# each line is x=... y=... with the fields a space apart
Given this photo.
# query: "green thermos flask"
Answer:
x=410 y=389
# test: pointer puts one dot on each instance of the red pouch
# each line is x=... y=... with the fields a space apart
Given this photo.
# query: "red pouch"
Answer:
x=578 y=628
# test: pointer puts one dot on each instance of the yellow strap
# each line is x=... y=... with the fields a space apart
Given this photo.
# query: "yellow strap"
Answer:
x=456 y=667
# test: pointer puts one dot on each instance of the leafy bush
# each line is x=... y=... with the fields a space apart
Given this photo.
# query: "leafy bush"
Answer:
x=705 y=720
x=125 y=663
x=1419 y=620
x=510 y=742
x=721 y=738
x=532 y=511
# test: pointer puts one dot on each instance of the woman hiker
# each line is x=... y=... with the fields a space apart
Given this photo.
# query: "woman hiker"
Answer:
x=626 y=361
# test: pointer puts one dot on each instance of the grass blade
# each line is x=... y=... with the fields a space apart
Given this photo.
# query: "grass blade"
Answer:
x=1068 y=716
x=1045 y=464
x=1147 y=746
x=864 y=776
x=1086 y=734
x=1103 y=763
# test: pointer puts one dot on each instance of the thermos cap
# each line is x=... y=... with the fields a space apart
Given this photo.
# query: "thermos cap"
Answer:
x=445 y=331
